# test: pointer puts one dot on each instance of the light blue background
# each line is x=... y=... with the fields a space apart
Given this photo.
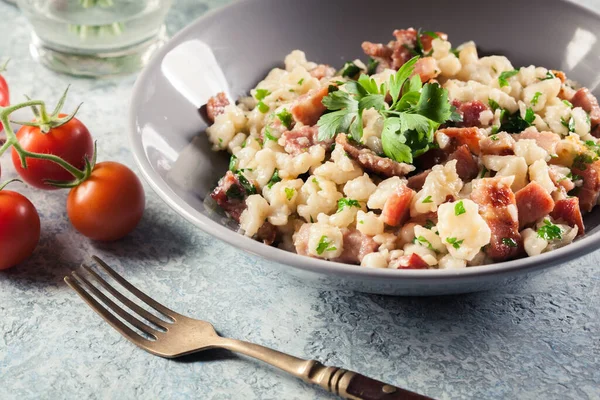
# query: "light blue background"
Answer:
x=536 y=340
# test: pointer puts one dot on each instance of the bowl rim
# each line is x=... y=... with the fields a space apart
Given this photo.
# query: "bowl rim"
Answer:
x=581 y=247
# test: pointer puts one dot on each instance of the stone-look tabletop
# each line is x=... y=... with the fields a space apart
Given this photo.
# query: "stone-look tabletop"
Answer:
x=537 y=340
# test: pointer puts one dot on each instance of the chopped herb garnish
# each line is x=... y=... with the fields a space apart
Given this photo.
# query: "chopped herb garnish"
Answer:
x=372 y=66
x=361 y=222
x=549 y=231
x=529 y=116
x=312 y=221
x=483 y=172
x=568 y=103
x=261 y=94
x=232 y=162
x=494 y=137
x=515 y=123
x=268 y=134
x=274 y=179
x=285 y=117
x=248 y=187
x=504 y=76
x=350 y=70
x=535 y=98
x=549 y=75
x=510 y=242
x=582 y=160
x=424 y=242
x=410 y=120
x=325 y=245
x=220 y=141
x=345 y=202
x=427 y=200
x=459 y=208
x=301 y=81
x=493 y=104
x=316 y=182
x=262 y=107
x=234 y=192
x=244 y=143
x=429 y=224
x=495 y=130
x=289 y=193
x=455 y=242
x=456 y=52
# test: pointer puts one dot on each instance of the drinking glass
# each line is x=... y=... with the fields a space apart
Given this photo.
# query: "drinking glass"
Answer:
x=95 y=37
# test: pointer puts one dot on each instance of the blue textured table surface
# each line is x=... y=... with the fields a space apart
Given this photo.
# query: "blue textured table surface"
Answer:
x=539 y=339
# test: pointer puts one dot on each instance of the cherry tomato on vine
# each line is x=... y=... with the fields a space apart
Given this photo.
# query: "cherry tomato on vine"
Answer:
x=4 y=94
x=19 y=228
x=72 y=142
x=109 y=204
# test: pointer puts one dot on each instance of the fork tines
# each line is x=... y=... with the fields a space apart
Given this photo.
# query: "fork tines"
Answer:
x=87 y=283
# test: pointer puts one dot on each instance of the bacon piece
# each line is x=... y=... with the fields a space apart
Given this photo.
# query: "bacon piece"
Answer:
x=396 y=53
x=299 y=140
x=455 y=137
x=589 y=192
x=546 y=140
x=500 y=144
x=267 y=233
x=568 y=211
x=413 y=261
x=230 y=195
x=416 y=182
x=216 y=106
x=533 y=203
x=427 y=68
x=497 y=206
x=356 y=246
x=561 y=181
x=322 y=71
x=470 y=112
x=309 y=107
x=585 y=99
x=301 y=239
x=466 y=166
x=370 y=161
x=560 y=75
x=397 y=206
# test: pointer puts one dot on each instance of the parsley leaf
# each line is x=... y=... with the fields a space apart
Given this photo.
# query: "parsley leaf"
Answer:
x=274 y=179
x=535 y=98
x=345 y=202
x=510 y=242
x=459 y=208
x=232 y=162
x=399 y=78
x=268 y=134
x=568 y=103
x=504 y=76
x=455 y=242
x=514 y=123
x=345 y=111
x=262 y=107
x=324 y=245
x=549 y=231
x=301 y=81
x=427 y=200
x=289 y=193
x=316 y=182
x=549 y=75
x=483 y=172
x=424 y=242
x=372 y=66
x=434 y=103
x=261 y=94
x=248 y=187
x=428 y=224
x=350 y=70
x=285 y=117
x=582 y=160
x=493 y=104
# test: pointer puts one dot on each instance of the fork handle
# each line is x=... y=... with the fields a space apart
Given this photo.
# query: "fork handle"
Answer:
x=344 y=383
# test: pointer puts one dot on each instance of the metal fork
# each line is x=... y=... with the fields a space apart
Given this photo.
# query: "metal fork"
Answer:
x=181 y=335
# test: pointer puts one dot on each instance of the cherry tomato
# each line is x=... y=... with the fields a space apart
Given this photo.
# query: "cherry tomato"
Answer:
x=19 y=228
x=109 y=204
x=71 y=142
x=4 y=94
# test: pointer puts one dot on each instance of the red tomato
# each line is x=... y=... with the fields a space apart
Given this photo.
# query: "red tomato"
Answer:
x=71 y=142
x=4 y=94
x=109 y=204
x=19 y=228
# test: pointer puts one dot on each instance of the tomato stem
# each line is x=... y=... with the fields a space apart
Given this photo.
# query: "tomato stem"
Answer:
x=12 y=141
x=5 y=184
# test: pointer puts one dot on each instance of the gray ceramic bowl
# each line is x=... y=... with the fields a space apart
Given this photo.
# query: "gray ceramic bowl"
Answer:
x=233 y=48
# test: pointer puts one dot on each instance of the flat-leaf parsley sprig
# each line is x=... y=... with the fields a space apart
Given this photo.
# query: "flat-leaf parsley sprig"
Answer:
x=410 y=120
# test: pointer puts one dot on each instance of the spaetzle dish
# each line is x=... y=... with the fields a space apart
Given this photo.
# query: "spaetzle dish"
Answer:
x=425 y=157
